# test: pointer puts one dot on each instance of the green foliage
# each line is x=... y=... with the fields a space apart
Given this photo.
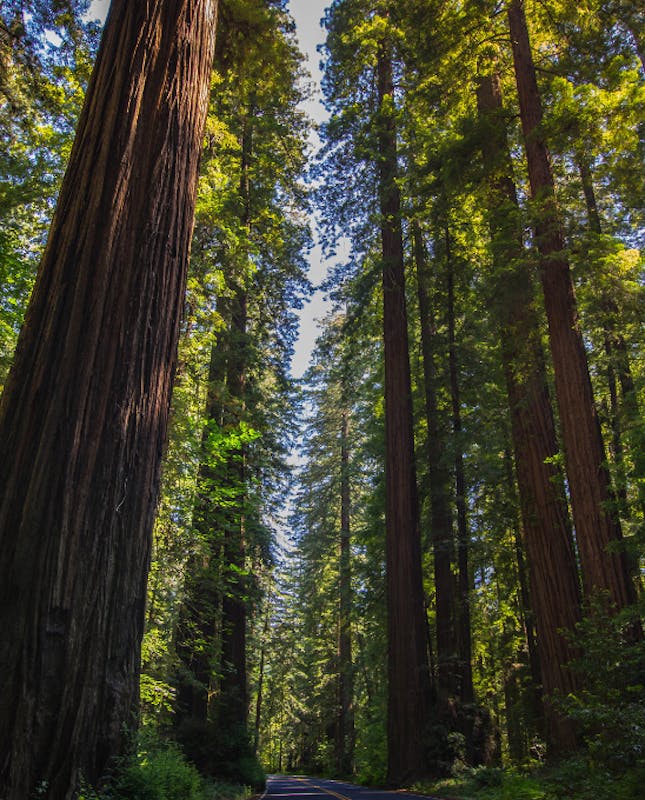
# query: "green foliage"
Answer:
x=159 y=771
x=46 y=55
x=610 y=708
x=485 y=783
x=224 y=751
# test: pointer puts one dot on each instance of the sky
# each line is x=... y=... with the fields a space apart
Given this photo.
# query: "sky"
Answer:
x=307 y=15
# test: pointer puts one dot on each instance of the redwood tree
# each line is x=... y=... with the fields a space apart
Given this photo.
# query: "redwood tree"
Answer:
x=408 y=676
x=83 y=418
x=604 y=563
x=555 y=591
x=439 y=488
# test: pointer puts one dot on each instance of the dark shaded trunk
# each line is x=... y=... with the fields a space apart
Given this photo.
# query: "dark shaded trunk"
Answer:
x=552 y=564
x=408 y=677
x=232 y=705
x=463 y=536
x=618 y=371
x=196 y=639
x=602 y=556
x=526 y=607
x=211 y=636
x=260 y=691
x=439 y=489
x=345 y=722
x=83 y=419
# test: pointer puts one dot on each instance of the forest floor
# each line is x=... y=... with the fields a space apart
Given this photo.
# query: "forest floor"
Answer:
x=574 y=779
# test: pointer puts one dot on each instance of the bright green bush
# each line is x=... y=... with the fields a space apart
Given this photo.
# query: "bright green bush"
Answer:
x=159 y=771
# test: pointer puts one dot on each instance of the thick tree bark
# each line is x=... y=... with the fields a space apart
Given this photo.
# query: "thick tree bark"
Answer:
x=553 y=572
x=408 y=677
x=443 y=548
x=83 y=418
x=345 y=722
x=463 y=537
x=604 y=563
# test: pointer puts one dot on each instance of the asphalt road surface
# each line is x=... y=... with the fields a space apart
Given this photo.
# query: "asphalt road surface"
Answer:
x=280 y=787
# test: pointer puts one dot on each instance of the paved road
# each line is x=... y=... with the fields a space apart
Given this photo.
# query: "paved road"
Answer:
x=280 y=787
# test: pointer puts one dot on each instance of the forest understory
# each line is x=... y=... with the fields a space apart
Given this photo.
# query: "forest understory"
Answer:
x=418 y=565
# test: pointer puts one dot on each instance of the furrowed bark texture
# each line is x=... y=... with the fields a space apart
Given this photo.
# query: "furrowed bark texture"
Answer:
x=408 y=677
x=553 y=572
x=84 y=415
x=604 y=564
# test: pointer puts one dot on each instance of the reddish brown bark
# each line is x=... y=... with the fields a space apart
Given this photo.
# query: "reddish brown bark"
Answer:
x=553 y=572
x=84 y=415
x=408 y=677
x=604 y=564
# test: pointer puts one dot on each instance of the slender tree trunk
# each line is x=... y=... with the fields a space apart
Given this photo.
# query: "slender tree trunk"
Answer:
x=83 y=419
x=345 y=722
x=618 y=368
x=200 y=614
x=260 y=692
x=232 y=704
x=604 y=563
x=463 y=536
x=552 y=564
x=439 y=486
x=212 y=623
x=534 y=691
x=233 y=700
x=408 y=677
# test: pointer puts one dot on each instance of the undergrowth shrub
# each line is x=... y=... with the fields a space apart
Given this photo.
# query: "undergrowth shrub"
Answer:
x=610 y=708
x=160 y=771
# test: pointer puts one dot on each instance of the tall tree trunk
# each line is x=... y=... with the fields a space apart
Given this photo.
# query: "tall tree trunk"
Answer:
x=345 y=722
x=408 y=677
x=233 y=697
x=463 y=536
x=527 y=616
x=604 y=563
x=199 y=623
x=83 y=419
x=618 y=368
x=232 y=704
x=552 y=564
x=439 y=488
x=260 y=692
